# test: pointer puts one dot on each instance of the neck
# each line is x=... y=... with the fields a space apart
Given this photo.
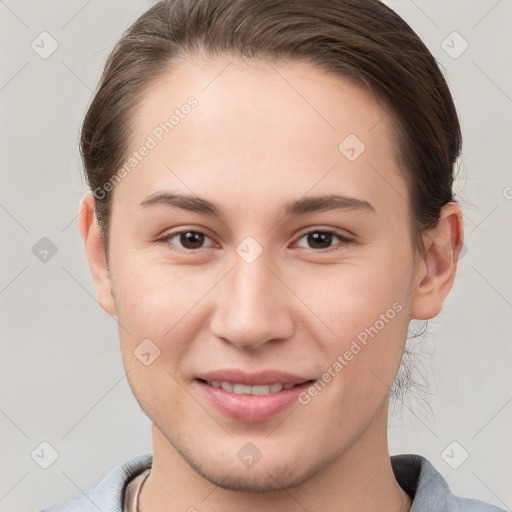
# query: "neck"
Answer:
x=360 y=479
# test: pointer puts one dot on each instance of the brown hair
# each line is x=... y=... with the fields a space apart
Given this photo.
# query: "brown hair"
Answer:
x=361 y=40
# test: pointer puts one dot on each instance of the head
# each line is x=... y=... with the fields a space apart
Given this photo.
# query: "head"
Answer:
x=271 y=191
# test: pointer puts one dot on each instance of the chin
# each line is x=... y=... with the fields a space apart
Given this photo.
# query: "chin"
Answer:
x=255 y=480
x=272 y=473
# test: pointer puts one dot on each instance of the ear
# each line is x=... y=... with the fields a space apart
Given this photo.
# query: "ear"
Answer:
x=436 y=272
x=95 y=251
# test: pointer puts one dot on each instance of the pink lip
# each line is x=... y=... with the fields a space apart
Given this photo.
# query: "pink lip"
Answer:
x=251 y=408
x=253 y=379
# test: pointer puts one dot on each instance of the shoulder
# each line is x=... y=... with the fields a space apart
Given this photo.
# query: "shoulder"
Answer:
x=108 y=495
x=429 y=489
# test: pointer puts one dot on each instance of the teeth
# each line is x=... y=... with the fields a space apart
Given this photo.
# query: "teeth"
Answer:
x=261 y=390
x=275 y=388
x=244 y=389
x=227 y=386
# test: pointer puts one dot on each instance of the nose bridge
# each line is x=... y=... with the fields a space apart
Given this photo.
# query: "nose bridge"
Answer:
x=252 y=282
x=251 y=307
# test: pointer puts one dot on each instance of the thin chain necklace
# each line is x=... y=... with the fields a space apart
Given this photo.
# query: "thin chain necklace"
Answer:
x=137 y=497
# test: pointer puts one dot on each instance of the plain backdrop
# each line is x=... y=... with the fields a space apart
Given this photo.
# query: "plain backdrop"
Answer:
x=62 y=380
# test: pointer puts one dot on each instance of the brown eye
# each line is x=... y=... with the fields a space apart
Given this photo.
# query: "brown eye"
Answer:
x=191 y=239
x=188 y=240
x=322 y=239
x=319 y=240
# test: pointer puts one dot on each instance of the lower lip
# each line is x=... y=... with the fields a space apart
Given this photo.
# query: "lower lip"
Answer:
x=251 y=408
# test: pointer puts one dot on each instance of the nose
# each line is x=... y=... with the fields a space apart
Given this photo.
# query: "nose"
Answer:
x=253 y=306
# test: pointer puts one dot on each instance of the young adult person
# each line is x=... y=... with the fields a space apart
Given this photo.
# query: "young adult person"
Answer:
x=271 y=204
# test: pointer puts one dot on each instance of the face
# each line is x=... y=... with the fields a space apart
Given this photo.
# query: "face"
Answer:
x=263 y=318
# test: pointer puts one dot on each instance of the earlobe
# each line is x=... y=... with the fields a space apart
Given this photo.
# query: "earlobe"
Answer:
x=95 y=251
x=436 y=272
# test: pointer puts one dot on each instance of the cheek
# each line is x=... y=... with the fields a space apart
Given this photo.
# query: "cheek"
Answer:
x=354 y=297
x=152 y=294
x=366 y=306
x=157 y=323
x=156 y=304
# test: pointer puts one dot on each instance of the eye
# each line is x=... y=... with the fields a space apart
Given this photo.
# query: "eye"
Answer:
x=321 y=240
x=189 y=239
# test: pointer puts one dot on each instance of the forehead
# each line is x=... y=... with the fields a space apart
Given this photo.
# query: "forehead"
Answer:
x=264 y=126
x=261 y=96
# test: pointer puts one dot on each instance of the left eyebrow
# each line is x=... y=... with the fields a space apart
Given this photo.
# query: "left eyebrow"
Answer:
x=325 y=203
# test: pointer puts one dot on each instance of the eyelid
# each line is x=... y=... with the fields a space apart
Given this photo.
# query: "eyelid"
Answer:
x=342 y=233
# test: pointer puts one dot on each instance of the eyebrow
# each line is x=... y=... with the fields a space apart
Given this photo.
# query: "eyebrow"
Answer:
x=297 y=207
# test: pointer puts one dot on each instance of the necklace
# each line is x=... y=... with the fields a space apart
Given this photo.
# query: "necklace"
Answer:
x=139 y=490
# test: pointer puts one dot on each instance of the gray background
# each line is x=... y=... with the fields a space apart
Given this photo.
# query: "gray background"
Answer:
x=62 y=379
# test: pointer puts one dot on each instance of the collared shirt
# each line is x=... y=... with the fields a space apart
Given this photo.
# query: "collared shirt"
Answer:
x=417 y=477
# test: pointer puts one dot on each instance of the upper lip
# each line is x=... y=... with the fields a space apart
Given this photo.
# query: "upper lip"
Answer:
x=252 y=379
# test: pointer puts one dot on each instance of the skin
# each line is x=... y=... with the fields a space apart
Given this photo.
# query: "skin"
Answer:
x=251 y=145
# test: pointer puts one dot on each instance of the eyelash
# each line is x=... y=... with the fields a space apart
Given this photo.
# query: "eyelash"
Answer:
x=343 y=240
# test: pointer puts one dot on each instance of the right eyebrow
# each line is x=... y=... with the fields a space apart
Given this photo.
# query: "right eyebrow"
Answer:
x=183 y=201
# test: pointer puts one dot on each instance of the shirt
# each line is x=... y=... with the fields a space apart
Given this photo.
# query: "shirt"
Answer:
x=417 y=477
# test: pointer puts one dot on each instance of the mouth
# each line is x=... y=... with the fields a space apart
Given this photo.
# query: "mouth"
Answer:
x=251 y=397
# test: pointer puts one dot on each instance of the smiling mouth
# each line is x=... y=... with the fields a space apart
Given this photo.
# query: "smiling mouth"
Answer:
x=251 y=397
x=245 y=389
